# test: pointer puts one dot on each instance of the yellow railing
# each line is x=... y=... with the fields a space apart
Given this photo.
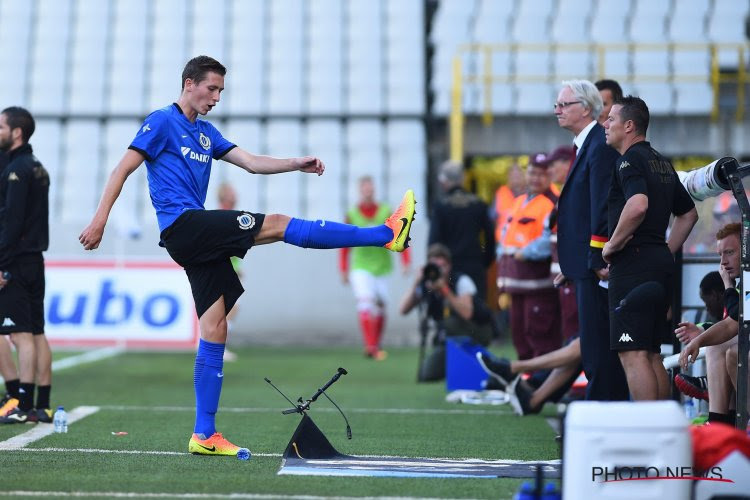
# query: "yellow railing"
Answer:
x=487 y=75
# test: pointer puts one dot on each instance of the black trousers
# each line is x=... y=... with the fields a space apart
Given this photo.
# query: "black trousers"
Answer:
x=606 y=378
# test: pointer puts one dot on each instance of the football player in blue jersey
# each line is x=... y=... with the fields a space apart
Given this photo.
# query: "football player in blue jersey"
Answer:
x=178 y=149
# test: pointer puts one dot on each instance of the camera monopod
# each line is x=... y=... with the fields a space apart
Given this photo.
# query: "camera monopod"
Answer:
x=303 y=405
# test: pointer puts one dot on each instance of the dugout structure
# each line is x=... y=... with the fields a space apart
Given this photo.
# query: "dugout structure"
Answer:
x=739 y=179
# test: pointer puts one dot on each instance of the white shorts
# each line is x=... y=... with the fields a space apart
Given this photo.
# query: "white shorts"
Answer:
x=368 y=289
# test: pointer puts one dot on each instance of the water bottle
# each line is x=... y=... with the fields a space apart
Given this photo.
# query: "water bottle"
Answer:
x=551 y=492
x=60 y=420
x=690 y=412
x=526 y=492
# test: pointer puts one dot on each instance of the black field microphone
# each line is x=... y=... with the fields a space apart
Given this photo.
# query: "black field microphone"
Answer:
x=301 y=407
x=320 y=391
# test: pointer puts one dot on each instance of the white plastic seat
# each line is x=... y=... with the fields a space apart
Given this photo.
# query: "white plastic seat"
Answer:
x=572 y=64
x=693 y=98
x=46 y=142
x=532 y=63
x=535 y=99
x=651 y=63
x=79 y=189
x=609 y=20
x=617 y=65
x=15 y=36
x=168 y=51
x=493 y=21
x=687 y=21
x=452 y=21
x=48 y=58
x=128 y=58
x=128 y=213
x=283 y=192
x=324 y=135
x=209 y=42
x=570 y=24
x=245 y=80
x=365 y=161
x=405 y=133
x=726 y=24
x=691 y=63
x=323 y=195
x=88 y=57
x=531 y=23
x=658 y=97
x=407 y=169
x=648 y=22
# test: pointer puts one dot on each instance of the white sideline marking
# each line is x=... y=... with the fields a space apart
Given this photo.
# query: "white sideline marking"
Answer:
x=43 y=430
x=125 y=494
x=128 y=452
x=86 y=357
x=278 y=455
x=406 y=411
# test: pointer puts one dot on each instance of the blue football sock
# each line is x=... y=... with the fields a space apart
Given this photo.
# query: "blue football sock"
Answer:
x=209 y=362
x=327 y=234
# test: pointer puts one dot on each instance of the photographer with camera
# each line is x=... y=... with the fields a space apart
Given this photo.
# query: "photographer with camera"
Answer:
x=448 y=304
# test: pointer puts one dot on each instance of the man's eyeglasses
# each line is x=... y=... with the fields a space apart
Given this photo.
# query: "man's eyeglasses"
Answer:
x=563 y=105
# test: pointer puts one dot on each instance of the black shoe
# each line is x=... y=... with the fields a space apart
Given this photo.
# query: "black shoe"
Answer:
x=695 y=387
x=42 y=415
x=17 y=416
x=499 y=369
x=520 y=397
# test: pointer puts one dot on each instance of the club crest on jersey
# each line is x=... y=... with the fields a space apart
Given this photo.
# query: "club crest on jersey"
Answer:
x=246 y=221
x=205 y=141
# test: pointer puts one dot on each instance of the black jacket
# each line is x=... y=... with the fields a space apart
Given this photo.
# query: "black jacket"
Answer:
x=24 y=208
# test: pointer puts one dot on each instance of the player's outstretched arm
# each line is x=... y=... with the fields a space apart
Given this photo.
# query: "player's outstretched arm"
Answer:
x=91 y=236
x=259 y=164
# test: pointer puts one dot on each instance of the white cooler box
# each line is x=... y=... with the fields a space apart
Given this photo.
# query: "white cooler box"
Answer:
x=623 y=440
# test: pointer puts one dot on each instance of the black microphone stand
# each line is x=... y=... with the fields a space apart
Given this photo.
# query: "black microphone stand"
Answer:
x=304 y=405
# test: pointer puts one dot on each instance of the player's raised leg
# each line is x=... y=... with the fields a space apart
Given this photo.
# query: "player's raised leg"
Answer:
x=393 y=235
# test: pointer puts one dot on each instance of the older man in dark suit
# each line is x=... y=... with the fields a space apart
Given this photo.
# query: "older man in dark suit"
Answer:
x=582 y=233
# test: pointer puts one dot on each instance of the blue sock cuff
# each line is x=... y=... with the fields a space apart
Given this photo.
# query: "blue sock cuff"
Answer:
x=298 y=232
x=211 y=352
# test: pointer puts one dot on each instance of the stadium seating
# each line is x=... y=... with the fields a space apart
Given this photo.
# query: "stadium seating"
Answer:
x=337 y=78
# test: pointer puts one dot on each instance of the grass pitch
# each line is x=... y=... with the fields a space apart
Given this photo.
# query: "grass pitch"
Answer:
x=150 y=396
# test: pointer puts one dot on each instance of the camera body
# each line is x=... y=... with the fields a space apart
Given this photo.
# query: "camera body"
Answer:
x=431 y=273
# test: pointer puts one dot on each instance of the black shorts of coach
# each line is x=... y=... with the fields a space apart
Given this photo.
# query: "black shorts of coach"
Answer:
x=640 y=293
x=202 y=241
x=22 y=299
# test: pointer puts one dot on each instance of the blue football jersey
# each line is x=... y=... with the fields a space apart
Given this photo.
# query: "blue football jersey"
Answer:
x=178 y=156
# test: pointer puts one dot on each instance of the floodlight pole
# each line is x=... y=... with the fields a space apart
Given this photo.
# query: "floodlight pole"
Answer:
x=735 y=173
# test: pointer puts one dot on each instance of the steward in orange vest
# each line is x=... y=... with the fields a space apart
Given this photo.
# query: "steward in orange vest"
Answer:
x=524 y=267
